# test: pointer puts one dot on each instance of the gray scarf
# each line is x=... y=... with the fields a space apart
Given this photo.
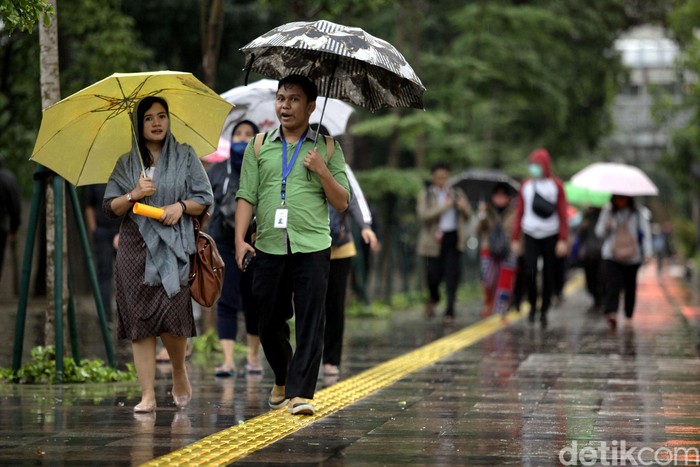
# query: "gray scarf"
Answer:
x=179 y=175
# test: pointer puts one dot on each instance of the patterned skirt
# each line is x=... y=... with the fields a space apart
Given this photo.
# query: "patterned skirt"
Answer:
x=145 y=310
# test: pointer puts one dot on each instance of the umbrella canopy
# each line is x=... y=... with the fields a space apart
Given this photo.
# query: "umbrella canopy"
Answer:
x=581 y=196
x=256 y=102
x=345 y=62
x=82 y=136
x=614 y=178
x=478 y=184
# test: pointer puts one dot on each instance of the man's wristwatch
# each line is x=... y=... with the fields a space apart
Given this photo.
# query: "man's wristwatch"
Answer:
x=130 y=198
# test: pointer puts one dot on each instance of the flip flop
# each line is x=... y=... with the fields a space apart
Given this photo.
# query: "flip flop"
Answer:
x=224 y=373
x=253 y=369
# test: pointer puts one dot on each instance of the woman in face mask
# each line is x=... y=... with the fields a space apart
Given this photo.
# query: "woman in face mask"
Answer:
x=540 y=231
x=236 y=295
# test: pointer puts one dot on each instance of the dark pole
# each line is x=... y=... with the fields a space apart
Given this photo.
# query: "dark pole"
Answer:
x=37 y=195
x=92 y=274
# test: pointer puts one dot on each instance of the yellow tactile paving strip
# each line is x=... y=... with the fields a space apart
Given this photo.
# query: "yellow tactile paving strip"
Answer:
x=234 y=443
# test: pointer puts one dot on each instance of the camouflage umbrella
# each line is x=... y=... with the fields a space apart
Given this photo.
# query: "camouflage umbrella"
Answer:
x=345 y=63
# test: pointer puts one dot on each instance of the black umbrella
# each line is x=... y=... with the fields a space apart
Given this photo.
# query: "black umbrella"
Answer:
x=345 y=62
x=478 y=184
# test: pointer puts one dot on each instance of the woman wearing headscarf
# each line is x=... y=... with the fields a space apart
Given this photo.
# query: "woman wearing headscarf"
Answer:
x=498 y=265
x=540 y=230
x=153 y=258
x=626 y=235
x=237 y=291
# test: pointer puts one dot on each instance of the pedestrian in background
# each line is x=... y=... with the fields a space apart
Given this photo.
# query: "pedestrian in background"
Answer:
x=444 y=213
x=540 y=230
x=342 y=251
x=292 y=246
x=103 y=230
x=626 y=235
x=589 y=257
x=237 y=291
x=153 y=259
x=10 y=209
x=498 y=264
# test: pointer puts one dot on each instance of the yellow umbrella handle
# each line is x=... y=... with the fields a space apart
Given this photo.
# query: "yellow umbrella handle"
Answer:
x=148 y=211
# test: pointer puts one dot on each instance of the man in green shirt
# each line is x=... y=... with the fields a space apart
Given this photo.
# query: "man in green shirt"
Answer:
x=290 y=182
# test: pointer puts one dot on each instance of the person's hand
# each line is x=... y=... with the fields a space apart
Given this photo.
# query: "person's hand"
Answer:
x=449 y=200
x=608 y=224
x=144 y=187
x=115 y=242
x=314 y=162
x=562 y=248
x=462 y=204
x=370 y=238
x=172 y=214
x=241 y=249
x=516 y=247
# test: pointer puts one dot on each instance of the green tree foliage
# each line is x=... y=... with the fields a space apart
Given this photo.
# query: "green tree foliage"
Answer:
x=95 y=40
x=525 y=74
x=683 y=159
x=22 y=15
x=176 y=43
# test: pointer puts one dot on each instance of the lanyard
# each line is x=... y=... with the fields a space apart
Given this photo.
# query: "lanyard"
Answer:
x=287 y=166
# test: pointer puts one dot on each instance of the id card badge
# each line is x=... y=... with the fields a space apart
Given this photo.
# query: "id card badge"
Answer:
x=281 y=218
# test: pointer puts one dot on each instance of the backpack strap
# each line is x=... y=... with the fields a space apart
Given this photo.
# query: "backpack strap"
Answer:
x=257 y=144
x=330 y=146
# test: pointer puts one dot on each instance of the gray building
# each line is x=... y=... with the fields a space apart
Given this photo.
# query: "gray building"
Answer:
x=650 y=57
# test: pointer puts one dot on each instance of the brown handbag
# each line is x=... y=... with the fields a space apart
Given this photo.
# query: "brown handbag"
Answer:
x=206 y=268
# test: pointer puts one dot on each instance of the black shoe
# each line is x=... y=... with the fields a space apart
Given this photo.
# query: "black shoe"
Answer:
x=543 y=320
x=531 y=317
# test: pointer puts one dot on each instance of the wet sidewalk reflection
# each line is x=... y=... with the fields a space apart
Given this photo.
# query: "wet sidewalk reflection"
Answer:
x=523 y=395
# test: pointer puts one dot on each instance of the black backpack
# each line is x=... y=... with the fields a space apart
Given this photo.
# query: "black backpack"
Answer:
x=498 y=242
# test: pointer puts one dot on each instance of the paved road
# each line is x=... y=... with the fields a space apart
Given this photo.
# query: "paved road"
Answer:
x=567 y=395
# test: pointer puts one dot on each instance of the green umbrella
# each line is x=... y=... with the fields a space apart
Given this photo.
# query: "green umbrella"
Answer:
x=585 y=197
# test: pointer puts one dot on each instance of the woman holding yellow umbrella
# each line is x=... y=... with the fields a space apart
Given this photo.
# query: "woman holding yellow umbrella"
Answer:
x=152 y=265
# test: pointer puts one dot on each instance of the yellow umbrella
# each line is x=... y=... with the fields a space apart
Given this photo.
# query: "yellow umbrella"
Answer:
x=82 y=136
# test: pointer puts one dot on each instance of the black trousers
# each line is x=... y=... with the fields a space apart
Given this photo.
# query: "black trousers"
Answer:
x=105 y=254
x=536 y=248
x=335 y=310
x=619 y=277
x=593 y=270
x=236 y=295
x=302 y=278
x=445 y=267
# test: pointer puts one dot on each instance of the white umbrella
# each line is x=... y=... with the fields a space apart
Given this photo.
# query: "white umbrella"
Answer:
x=617 y=179
x=256 y=102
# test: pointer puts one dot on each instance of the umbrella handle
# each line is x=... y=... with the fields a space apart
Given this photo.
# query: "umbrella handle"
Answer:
x=138 y=149
x=325 y=102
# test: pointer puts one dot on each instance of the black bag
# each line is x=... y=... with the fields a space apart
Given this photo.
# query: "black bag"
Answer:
x=227 y=207
x=498 y=243
x=542 y=207
x=337 y=226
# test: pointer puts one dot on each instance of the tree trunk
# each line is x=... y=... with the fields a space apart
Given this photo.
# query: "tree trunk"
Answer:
x=394 y=150
x=50 y=94
x=212 y=41
x=418 y=10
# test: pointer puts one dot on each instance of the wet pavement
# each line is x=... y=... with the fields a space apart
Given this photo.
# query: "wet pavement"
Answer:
x=572 y=394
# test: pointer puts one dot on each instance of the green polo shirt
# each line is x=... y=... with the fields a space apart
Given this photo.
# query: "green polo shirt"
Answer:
x=261 y=182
